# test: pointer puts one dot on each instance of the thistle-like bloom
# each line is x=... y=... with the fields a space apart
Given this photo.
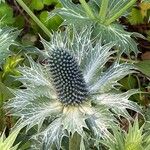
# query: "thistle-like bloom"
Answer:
x=73 y=91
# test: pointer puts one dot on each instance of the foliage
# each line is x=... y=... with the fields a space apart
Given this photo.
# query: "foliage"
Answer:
x=7 y=143
x=140 y=14
x=2 y=1
x=134 y=139
x=7 y=37
x=93 y=114
x=103 y=15
x=144 y=67
x=34 y=87
x=6 y=14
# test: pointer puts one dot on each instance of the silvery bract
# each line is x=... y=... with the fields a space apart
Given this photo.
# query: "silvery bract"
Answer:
x=7 y=36
x=72 y=91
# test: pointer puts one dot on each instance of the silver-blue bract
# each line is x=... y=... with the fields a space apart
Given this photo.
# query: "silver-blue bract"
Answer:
x=7 y=37
x=40 y=102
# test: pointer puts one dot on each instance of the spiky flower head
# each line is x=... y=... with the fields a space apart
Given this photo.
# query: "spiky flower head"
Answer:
x=67 y=77
x=72 y=92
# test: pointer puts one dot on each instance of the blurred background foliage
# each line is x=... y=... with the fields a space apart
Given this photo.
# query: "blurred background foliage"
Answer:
x=26 y=41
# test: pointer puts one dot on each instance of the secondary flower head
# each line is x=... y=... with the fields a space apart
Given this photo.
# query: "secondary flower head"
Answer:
x=72 y=92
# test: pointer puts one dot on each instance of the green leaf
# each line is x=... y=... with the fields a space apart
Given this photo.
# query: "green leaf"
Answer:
x=2 y=1
x=71 y=13
x=52 y=23
x=129 y=82
x=19 y=22
x=135 y=17
x=134 y=137
x=144 y=67
x=6 y=15
x=74 y=142
x=115 y=6
x=49 y=2
x=131 y=140
x=5 y=92
x=113 y=32
x=37 y=5
x=7 y=143
x=10 y=65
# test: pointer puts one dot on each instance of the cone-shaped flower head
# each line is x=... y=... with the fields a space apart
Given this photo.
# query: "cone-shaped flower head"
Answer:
x=72 y=91
x=67 y=77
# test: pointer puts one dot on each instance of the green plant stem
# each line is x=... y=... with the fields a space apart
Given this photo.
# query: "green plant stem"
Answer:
x=117 y=15
x=31 y=14
x=103 y=10
x=74 y=142
x=139 y=85
x=87 y=9
x=124 y=59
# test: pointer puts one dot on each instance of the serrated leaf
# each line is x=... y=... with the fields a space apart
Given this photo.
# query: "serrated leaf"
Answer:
x=34 y=75
x=71 y=13
x=7 y=38
x=118 y=103
x=52 y=135
x=7 y=143
x=114 y=6
x=77 y=120
x=144 y=67
x=131 y=140
x=113 y=32
x=134 y=137
x=99 y=56
x=108 y=79
x=10 y=65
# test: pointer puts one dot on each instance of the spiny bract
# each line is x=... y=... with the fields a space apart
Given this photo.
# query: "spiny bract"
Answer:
x=74 y=74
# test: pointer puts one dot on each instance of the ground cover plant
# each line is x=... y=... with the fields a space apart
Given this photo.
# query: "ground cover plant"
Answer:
x=74 y=75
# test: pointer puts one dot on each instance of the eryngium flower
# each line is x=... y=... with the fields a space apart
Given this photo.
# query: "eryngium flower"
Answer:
x=73 y=91
x=67 y=77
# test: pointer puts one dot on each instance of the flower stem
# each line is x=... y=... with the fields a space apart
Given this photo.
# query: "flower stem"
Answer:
x=31 y=14
x=103 y=10
x=125 y=60
x=87 y=9
x=119 y=13
x=74 y=142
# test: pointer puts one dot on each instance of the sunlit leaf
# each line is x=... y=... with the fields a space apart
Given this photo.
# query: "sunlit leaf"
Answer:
x=145 y=6
x=7 y=143
x=131 y=140
x=135 y=17
x=10 y=65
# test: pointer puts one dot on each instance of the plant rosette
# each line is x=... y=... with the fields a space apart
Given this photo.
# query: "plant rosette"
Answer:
x=72 y=92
